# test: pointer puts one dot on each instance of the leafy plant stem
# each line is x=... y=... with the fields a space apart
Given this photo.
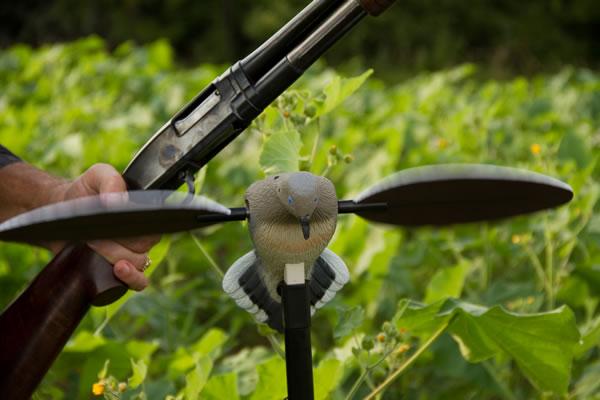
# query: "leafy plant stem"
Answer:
x=315 y=145
x=365 y=374
x=487 y=261
x=357 y=383
x=388 y=381
x=537 y=265
x=102 y=325
x=549 y=250
x=494 y=374
x=211 y=261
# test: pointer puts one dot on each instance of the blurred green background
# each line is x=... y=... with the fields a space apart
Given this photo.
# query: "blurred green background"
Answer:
x=503 y=310
x=507 y=37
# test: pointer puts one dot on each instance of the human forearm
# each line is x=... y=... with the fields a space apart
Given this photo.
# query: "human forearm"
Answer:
x=24 y=187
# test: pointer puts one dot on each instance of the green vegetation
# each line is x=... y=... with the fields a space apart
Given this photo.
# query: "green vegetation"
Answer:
x=505 y=310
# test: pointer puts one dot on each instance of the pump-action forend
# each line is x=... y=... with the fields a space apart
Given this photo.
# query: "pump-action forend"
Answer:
x=229 y=104
x=36 y=326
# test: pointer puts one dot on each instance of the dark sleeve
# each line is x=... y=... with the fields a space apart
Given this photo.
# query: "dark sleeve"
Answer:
x=6 y=157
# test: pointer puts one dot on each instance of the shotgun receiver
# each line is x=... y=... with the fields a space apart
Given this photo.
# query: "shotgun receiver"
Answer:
x=37 y=325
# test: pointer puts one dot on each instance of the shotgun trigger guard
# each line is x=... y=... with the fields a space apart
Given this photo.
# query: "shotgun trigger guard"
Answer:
x=188 y=177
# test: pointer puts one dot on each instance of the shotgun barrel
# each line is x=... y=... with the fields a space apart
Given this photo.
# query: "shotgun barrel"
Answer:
x=260 y=61
x=37 y=325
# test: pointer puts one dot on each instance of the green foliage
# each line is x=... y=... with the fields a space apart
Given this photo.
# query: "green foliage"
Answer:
x=527 y=324
x=281 y=152
x=349 y=321
x=140 y=369
x=541 y=344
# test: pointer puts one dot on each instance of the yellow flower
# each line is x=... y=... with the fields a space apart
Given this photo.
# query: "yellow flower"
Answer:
x=403 y=348
x=516 y=239
x=381 y=338
x=535 y=149
x=442 y=143
x=98 y=388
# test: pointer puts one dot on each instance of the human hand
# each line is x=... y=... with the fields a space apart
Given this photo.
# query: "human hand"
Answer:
x=128 y=256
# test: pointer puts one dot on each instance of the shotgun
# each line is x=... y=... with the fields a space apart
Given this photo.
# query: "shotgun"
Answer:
x=36 y=326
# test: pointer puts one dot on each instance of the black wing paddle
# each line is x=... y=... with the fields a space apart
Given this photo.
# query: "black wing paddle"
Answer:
x=116 y=215
x=457 y=193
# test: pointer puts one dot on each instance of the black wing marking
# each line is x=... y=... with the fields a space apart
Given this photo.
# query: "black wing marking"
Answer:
x=329 y=275
x=244 y=284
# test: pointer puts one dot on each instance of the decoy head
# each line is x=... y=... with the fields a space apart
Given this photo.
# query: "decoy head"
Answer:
x=298 y=192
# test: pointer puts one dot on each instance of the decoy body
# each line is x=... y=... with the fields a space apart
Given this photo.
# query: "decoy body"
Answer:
x=292 y=217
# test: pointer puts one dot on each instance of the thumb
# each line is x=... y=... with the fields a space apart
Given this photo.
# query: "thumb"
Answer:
x=103 y=178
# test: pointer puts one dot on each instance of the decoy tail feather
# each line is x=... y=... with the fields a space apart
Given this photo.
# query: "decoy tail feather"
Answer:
x=244 y=284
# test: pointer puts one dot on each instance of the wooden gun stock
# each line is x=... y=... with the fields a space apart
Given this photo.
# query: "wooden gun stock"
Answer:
x=37 y=325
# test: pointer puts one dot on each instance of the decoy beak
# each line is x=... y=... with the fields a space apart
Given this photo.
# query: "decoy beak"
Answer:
x=305 y=222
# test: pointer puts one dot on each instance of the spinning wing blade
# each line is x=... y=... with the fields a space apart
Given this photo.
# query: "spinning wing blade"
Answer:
x=457 y=193
x=117 y=215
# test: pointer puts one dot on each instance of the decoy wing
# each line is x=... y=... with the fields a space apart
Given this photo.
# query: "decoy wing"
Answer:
x=457 y=193
x=116 y=215
x=329 y=275
x=244 y=284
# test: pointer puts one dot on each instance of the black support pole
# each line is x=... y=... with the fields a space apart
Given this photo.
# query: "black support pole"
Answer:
x=298 y=356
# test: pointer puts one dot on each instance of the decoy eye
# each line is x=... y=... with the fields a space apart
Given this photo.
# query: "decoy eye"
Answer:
x=290 y=200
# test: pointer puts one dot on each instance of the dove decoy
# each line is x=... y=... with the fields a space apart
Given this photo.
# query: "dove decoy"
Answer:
x=291 y=218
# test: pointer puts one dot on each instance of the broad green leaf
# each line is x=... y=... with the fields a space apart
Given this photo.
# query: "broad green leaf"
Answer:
x=447 y=282
x=84 y=342
x=140 y=369
x=419 y=319
x=348 y=321
x=221 y=387
x=327 y=375
x=208 y=345
x=140 y=349
x=181 y=361
x=197 y=378
x=541 y=344
x=281 y=152
x=272 y=383
x=211 y=342
x=339 y=89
